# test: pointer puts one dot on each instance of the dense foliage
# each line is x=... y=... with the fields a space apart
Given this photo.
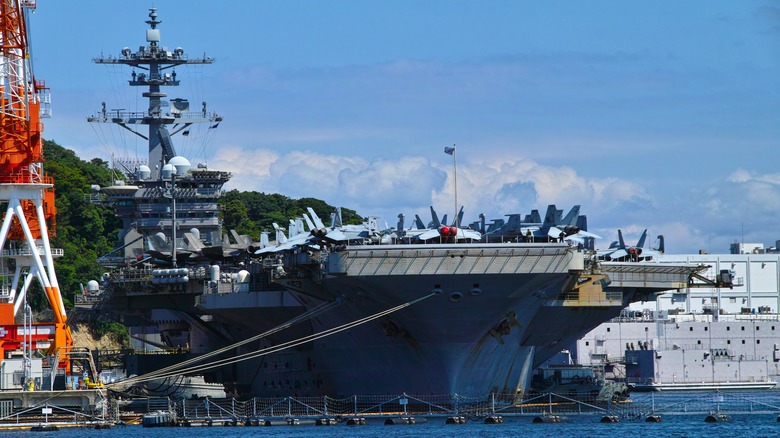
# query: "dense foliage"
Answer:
x=252 y=212
x=85 y=230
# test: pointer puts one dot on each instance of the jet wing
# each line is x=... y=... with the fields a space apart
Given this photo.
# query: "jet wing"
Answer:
x=430 y=234
x=618 y=254
x=335 y=236
x=469 y=234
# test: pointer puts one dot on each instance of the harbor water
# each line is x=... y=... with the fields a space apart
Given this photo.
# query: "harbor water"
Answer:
x=750 y=425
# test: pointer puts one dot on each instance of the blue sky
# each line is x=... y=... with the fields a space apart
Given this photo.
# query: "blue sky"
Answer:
x=650 y=114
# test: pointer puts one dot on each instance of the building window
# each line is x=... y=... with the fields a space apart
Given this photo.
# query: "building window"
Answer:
x=699 y=342
x=728 y=328
x=690 y=328
x=728 y=341
x=743 y=341
x=608 y=329
x=743 y=328
x=706 y=328
x=758 y=327
x=758 y=341
x=587 y=343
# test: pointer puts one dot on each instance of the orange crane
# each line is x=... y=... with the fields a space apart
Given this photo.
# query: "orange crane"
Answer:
x=29 y=219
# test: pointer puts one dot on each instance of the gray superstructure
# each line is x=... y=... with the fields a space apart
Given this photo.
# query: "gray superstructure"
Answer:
x=478 y=316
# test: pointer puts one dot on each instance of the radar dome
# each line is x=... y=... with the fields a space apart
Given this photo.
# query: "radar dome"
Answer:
x=144 y=172
x=181 y=164
x=167 y=171
x=93 y=286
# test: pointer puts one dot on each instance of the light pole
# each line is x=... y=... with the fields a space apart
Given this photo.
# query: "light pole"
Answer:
x=171 y=192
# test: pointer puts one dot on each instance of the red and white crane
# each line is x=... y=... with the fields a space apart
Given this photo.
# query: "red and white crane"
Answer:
x=29 y=219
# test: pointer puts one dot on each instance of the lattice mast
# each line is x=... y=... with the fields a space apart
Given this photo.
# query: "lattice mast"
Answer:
x=154 y=61
x=28 y=192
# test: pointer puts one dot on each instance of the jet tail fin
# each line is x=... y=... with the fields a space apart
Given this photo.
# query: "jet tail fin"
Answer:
x=309 y=223
x=571 y=217
x=549 y=217
x=280 y=237
x=660 y=244
x=315 y=218
x=641 y=242
x=337 y=221
x=435 y=218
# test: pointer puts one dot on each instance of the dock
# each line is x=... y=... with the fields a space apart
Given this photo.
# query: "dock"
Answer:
x=23 y=410
x=409 y=410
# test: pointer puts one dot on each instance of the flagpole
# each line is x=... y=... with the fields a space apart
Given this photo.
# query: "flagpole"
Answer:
x=455 y=174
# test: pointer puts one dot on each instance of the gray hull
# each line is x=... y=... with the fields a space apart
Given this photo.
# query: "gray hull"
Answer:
x=467 y=338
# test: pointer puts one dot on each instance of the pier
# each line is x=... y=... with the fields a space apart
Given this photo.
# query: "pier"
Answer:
x=408 y=410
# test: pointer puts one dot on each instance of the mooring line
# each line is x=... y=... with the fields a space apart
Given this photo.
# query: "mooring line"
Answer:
x=246 y=356
x=300 y=318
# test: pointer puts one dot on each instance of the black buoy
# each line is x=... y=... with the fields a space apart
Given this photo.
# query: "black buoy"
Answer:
x=455 y=420
x=400 y=420
x=717 y=417
x=610 y=419
x=550 y=418
x=325 y=421
x=494 y=419
x=356 y=421
x=653 y=419
x=102 y=426
x=44 y=428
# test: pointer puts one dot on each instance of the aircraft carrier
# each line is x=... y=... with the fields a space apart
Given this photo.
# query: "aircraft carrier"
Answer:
x=341 y=309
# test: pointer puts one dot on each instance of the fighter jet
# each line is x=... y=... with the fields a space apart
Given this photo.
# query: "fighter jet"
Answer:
x=533 y=229
x=367 y=232
x=619 y=251
x=298 y=238
x=440 y=230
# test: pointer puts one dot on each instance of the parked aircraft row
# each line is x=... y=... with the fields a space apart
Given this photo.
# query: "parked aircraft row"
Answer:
x=309 y=232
